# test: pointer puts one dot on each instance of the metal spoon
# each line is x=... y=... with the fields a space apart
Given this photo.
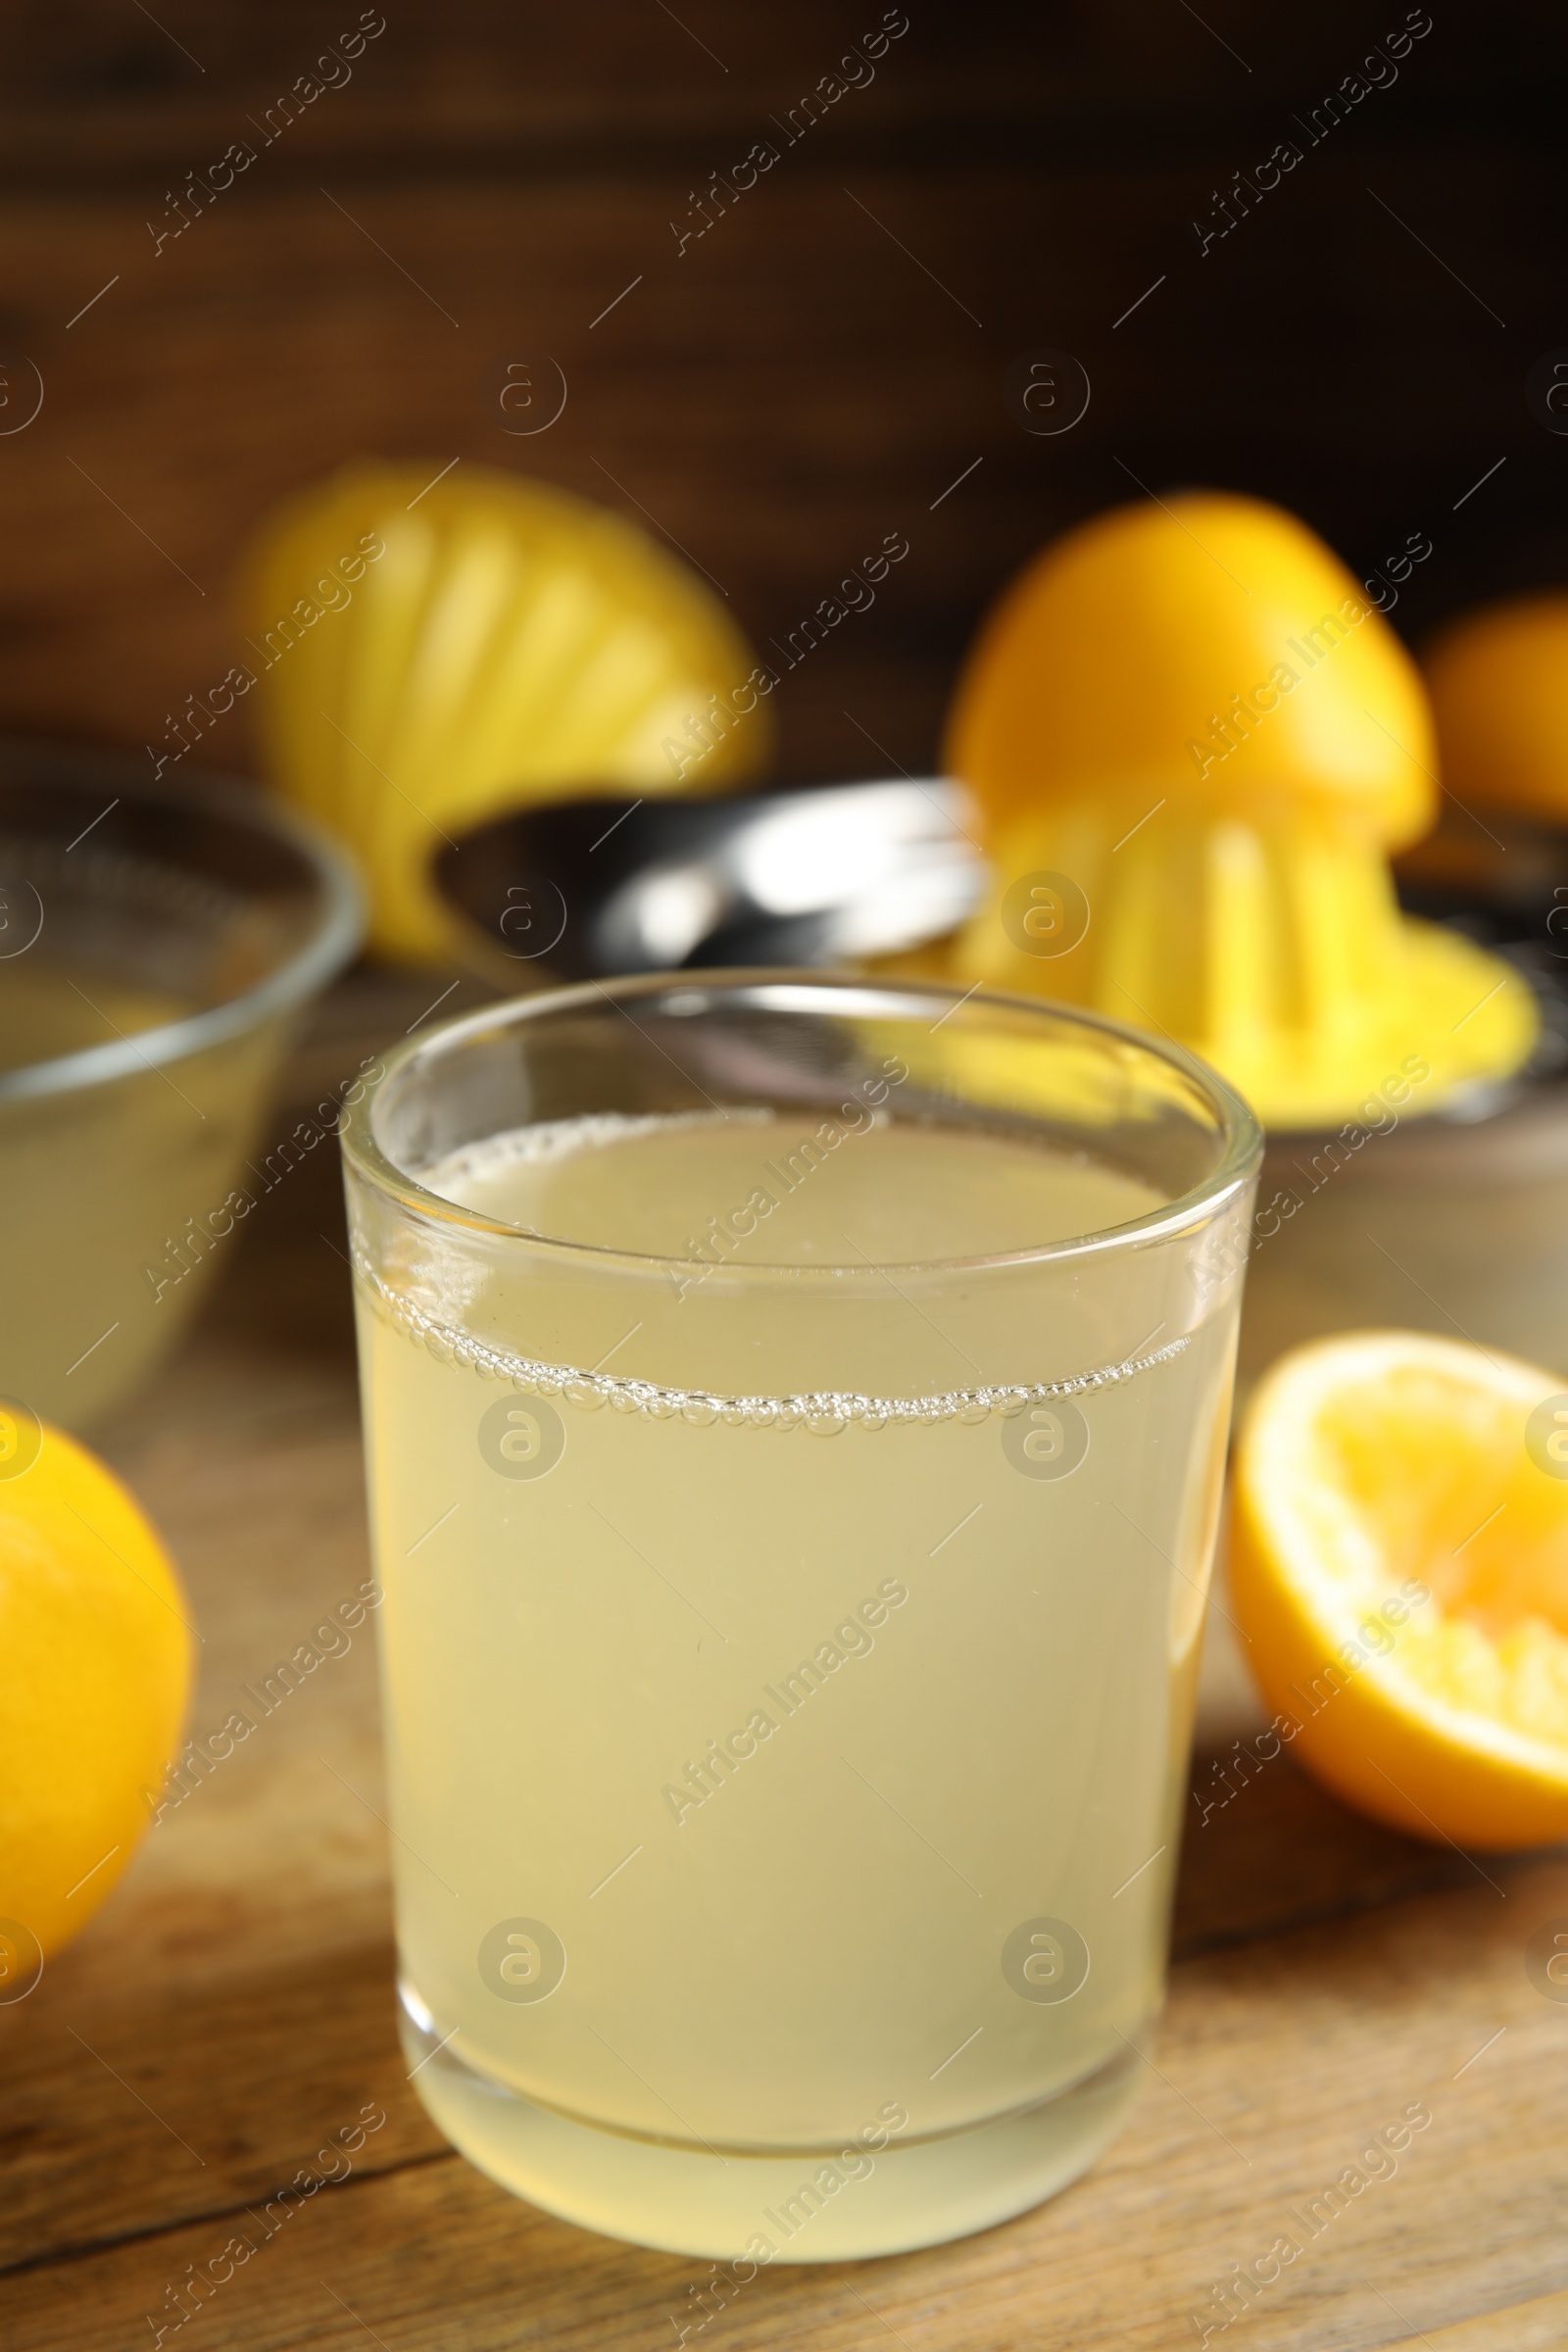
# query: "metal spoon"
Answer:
x=586 y=888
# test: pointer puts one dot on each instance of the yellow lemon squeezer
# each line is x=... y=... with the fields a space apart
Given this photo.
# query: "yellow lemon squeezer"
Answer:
x=428 y=654
x=1194 y=745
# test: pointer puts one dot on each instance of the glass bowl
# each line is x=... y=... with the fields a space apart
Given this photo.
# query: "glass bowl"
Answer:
x=157 y=943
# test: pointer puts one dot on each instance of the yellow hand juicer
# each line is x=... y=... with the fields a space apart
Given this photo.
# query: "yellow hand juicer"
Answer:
x=1195 y=744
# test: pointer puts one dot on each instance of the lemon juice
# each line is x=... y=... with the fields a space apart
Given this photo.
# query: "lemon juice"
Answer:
x=104 y=1181
x=785 y=1768
x=92 y=1179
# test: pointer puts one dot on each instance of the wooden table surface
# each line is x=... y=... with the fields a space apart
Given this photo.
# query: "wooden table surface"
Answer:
x=230 y=2006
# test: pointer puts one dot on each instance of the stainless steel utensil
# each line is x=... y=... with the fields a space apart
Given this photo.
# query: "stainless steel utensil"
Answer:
x=586 y=888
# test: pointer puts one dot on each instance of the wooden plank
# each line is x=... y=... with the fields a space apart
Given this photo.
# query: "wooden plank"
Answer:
x=1274 y=2068
x=231 y=2006
x=233 y=2002
x=263 y=1998
x=263 y=1994
x=1540 y=2326
x=107 y=99
x=778 y=397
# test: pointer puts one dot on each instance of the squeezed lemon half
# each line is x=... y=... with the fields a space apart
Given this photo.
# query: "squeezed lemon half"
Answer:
x=1400 y=1566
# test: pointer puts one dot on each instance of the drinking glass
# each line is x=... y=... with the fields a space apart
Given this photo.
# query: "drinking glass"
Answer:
x=789 y=1643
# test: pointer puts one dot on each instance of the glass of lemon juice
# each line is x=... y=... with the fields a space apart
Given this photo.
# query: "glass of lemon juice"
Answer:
x=796 y=1411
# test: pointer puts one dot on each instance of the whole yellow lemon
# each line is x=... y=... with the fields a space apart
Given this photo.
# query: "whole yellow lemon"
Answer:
x=95 y=1671
x=1499 y=680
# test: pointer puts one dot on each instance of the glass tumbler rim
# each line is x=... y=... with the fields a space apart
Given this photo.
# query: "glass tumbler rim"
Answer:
x=802 y=991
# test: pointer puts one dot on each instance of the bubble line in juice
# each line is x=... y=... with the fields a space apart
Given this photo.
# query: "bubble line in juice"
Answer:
x=822 y=1411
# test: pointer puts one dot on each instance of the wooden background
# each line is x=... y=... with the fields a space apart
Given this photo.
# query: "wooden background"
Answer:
x=799 y=382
